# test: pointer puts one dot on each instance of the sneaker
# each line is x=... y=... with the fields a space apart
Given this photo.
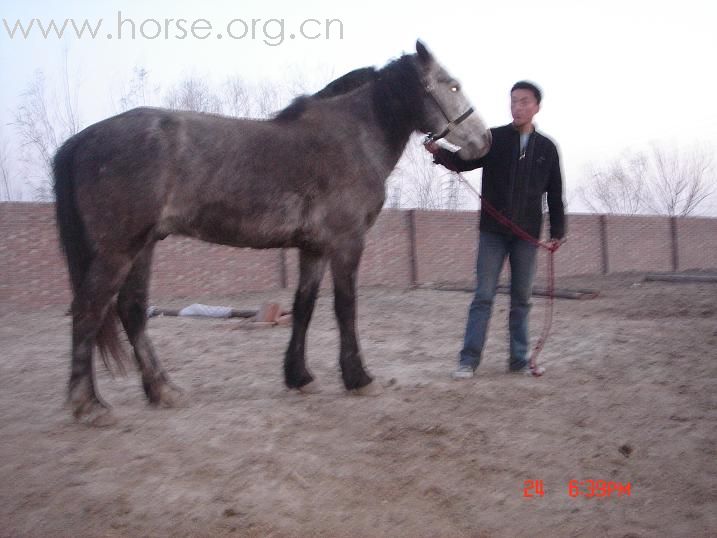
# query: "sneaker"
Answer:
x=463 y=372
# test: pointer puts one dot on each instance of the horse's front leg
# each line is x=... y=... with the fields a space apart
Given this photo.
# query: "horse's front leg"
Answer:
x=344 y=270
x=311 y=270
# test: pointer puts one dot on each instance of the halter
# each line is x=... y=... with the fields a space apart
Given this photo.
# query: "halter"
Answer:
x=451 y=123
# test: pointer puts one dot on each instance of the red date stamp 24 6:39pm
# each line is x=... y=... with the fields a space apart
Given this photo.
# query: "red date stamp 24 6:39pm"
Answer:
x=581 y=488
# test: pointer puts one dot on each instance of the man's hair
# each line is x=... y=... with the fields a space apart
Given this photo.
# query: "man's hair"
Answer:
x=525 y=85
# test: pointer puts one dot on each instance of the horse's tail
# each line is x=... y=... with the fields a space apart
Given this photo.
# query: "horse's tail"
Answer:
x=79 y=252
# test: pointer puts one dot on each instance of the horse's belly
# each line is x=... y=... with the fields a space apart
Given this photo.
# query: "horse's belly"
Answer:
x=233 y=229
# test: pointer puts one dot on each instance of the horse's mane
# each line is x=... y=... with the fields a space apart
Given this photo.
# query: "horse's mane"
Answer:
x=397 y=95
x=344 y=84
x=348 y=82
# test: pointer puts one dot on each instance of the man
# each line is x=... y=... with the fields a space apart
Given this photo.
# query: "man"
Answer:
x=521 y=166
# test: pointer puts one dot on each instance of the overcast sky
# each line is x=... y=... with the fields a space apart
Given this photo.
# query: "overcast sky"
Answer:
x=616 y=75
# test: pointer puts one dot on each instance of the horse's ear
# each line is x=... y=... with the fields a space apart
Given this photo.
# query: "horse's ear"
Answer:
x=423 y=53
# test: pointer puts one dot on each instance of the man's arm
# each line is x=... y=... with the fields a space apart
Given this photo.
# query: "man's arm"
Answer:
x=451 y=160
x=555 y=201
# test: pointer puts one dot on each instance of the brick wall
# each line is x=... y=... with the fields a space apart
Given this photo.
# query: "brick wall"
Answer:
x=386 y=257
x=446 y=245
x=403 y=248
x=32 y=269
x=186 y=267
x=582 y=253
x=639 y=243
x=697 y=243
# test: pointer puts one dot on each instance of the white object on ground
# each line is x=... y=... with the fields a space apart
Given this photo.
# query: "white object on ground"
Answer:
x=206 y=311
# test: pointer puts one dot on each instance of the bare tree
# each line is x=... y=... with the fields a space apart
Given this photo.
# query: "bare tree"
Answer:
x=297 y=83
x=7 y=192
x=193 y=93
x=416 y=172
x=267 y=99
x=431 y=186
x=661 y=181
x=571 y=196
x=42 y=122
x=261 y=100
x=36 y=130
x=680 y=182
x=141 y=92
x=69 y=117
x=236 y=97
x=618 y=187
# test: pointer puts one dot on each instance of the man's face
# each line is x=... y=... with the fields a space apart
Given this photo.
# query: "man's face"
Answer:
x=523 y=106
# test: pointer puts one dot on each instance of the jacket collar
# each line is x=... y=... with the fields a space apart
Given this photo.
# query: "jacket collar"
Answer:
x=515 y=129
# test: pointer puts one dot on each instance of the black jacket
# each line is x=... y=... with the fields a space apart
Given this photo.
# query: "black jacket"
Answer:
x=514 y=185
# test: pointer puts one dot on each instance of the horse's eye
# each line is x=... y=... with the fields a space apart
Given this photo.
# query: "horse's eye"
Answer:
x=455 y=88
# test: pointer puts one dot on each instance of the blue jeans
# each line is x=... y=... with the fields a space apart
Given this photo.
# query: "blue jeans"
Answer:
x=492 y=251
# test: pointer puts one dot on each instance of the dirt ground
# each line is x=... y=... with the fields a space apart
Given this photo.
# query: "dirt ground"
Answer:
x=629 y=396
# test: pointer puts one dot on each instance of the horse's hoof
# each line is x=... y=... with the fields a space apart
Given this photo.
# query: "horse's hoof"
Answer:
x=170 y=397
x=310 y=388
x=103 y=420
x=372 y=389
x=94 y=414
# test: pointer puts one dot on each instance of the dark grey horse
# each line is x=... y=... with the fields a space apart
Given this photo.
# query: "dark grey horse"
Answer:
x=313 y=177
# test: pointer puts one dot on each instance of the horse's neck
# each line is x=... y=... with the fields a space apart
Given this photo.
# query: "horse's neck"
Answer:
x=383 y=146
x=396 y=115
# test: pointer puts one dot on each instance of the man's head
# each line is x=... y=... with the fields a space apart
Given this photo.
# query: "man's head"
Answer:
x=525 y=100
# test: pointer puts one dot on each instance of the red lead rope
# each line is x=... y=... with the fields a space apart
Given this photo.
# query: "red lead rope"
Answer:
x=551 y=248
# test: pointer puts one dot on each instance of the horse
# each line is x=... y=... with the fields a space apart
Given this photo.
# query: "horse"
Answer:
x=312 y=177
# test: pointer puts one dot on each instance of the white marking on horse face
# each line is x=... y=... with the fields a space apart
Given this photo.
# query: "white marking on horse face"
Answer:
x=471 y=135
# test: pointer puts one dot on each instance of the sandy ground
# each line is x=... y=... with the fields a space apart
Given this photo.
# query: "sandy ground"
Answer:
x=629 y=396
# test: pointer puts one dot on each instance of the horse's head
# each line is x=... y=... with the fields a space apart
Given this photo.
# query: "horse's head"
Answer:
x=448 y=113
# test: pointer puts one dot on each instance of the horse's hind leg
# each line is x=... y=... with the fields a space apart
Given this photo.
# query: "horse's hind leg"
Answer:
x=311 y=269
x=90 y=311
x=132 y=310
x=344 y=271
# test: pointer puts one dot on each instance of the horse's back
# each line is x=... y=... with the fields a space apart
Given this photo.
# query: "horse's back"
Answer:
x=244 y=182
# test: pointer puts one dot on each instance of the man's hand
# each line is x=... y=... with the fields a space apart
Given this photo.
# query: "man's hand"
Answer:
x=555 y=244
x=431 y=147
